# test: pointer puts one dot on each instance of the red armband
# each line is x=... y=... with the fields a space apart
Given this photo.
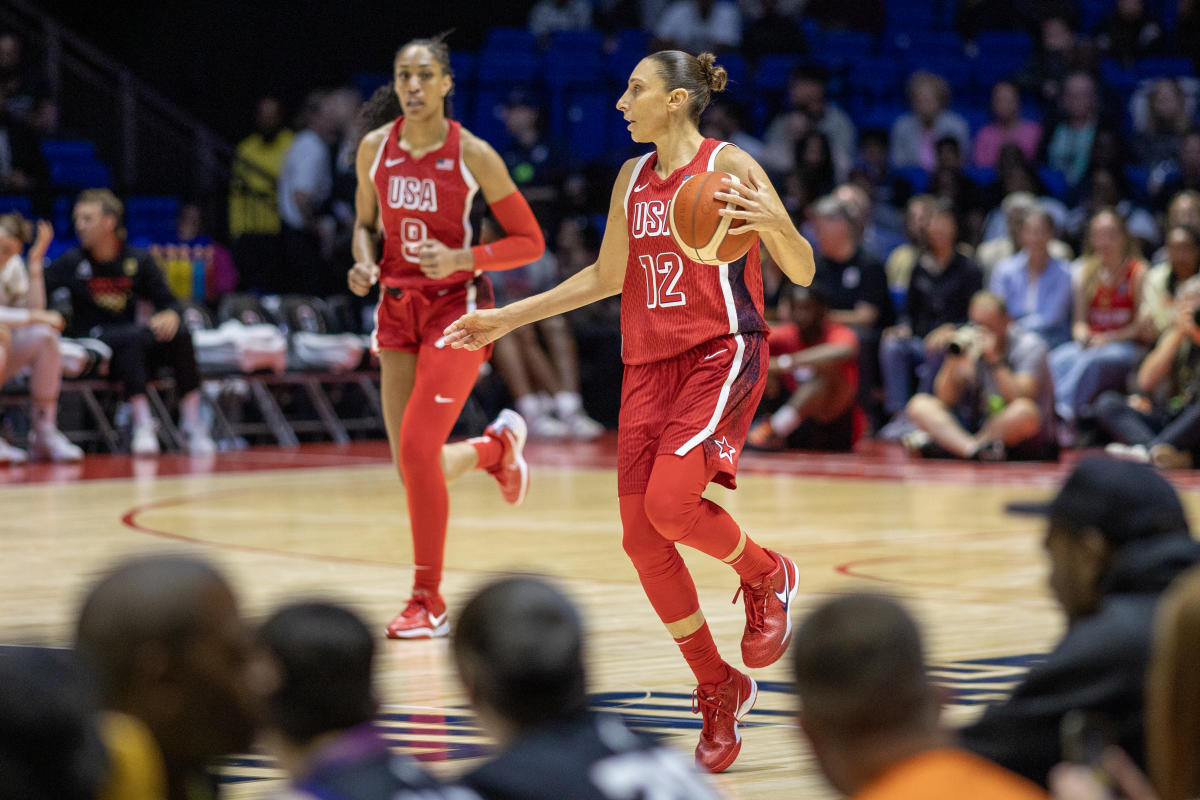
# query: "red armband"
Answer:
x=522 y=242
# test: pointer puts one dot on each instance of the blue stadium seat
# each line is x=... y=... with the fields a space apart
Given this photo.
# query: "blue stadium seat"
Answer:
x=976 y=118
x=367 y=82
x=508 y=67
x=917 y=177
x=1147 y=68
x=1093 y=12
x=60 y=245
x=152 y=216
x=16 y=202
x=982 y=176
x=1054 y=181
x=735 y=65
x=1115 y=77
x=585 y=136
x=1137 y=178
x=923 y=41
x=487 y=121
x=81 y=175
x=60 y=217
x=576 y=42
x=875 y=77
x=988 y=70
x=839 y=48
x=511 y=39
x=577 y=69
x=1012 y=45
x=463 y=65
x=773 y=71
x=68 y=150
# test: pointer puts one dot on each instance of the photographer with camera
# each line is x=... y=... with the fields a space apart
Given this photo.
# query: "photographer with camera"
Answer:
x=992 y=398
x=1161 y=423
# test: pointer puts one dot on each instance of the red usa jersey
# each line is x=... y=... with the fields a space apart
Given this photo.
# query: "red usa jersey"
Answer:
x=669 y=302
x=421 y=198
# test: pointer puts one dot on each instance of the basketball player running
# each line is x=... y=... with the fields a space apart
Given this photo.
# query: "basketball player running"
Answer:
x=418 y=172
x=696 y=362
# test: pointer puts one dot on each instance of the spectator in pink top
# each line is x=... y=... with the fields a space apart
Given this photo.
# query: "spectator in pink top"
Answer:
x=1006 y=127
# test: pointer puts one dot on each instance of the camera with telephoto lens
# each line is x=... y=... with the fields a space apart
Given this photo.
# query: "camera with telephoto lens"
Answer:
x=964 y=339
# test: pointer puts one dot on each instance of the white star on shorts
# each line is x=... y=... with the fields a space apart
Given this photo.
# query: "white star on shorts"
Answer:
x=725 y=448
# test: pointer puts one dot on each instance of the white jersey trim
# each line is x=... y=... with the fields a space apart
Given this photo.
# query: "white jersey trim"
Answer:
x=472 y=188
x=723 y=269
x=378 y=157
x=633 y=179
x=722 y=399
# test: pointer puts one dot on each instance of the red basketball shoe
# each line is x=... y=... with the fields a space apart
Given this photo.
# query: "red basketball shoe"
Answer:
x=720 y=706
x=512 y=473
x=423 y=618
x=768 y=624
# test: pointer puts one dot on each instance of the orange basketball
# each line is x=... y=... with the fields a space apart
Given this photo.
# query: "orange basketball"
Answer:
x=696 y=226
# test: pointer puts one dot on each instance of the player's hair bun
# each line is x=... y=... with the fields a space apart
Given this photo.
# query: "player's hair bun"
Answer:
x=714 y=74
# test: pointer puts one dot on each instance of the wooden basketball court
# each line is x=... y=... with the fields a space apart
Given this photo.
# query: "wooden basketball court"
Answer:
x=330 y=522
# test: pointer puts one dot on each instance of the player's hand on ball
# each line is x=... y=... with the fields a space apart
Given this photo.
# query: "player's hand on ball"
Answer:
x=438 y=261
x=476 y=329
x=362 y=277
x=756 y=204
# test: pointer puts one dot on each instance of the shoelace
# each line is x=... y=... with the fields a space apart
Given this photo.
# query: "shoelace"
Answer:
x=415 y=605
x=708 y=708
x=756 y=604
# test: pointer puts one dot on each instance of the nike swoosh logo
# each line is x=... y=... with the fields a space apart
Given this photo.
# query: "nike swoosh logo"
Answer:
x=643 y=186
x=714 y=355
x=391 y=162
x=783 y=596
x=437 y=620
x=437 y=398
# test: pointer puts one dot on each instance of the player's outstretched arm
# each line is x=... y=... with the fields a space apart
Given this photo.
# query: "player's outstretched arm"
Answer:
x=759 y=204
x=602 y=279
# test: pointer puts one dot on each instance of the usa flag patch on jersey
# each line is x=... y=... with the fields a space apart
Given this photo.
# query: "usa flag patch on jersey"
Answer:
x=445 y=163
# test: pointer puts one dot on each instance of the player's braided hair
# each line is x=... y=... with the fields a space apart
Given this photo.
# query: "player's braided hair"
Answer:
x=384 y=106
x=700 y=75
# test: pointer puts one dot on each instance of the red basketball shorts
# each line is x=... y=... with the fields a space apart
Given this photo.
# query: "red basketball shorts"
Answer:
x=703 y=397
x=409 y=318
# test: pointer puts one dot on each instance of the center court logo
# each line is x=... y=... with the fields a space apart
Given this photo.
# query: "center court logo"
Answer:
x=456 y=735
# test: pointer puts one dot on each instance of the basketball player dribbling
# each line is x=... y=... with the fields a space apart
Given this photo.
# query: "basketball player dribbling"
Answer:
x=418 y=172
x=695 y=365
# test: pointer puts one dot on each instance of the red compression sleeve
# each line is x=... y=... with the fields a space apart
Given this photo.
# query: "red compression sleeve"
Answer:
x=522 y=243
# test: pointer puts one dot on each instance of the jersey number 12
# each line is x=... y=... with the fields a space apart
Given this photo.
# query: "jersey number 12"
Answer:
x=662 y=274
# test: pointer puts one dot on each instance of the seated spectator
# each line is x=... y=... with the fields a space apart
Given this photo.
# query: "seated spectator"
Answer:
x=808 y=108
x=1059 y=52
x=538 y=164
x=103 y=280
x=50 y=745
x=165 y=641
x=1160 y=423
x=1116 y=536
x=726 y=120
x=878 y=239
x=320 y=726
x=23 y=170
x=1034 y=285
x=699 y=26
x=872 y=171
x=1182 y=176
x=1187 y=31
x=548 y=16
x=519 y=651
x=915 y=134
x=903 y=259
x=1070 y=147
x=32 y=339
x=812 y=381
x=25 y=88
x=1158 y=134
x=855 y=287
x=1106 y=330
x=1130 y=33
x=992 y=397
x=939 y=294
x=871 y=714
x=539 y=363
x=1163 y=280
x=1171 y=744
x=1106 y=187
x=773 y=30
x=254 y=199
x=220 y=274
x=814 y=163
x=999 y=245
x=1006 y=127
x=950 y=184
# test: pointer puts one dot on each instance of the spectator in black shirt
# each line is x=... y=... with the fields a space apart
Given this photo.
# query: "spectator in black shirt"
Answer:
x=102 y=282
x=855 y=286
x=939 y=294
x=773 y=31
x=1130 y=33
x=520 y=654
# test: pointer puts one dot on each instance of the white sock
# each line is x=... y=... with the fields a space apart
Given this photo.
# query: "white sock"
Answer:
x=140 y=405
x=546 y=402
x=785 y=420
x=567 y=404
x=189 y=410
x=45 y=414
x=529 y=406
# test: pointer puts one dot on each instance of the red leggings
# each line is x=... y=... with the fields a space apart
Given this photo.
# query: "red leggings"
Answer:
x=673 y=510
x=441 y=374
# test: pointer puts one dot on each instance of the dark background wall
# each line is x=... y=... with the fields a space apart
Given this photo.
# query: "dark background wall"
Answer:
x=216 y=57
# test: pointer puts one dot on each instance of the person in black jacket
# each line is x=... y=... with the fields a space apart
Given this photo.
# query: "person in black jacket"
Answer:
x=519 y=651
x=104 y=280
x=1117 y=536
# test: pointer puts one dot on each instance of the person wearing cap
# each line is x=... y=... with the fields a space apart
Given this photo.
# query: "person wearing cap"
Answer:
x=855 y=286
x=1116 y=536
